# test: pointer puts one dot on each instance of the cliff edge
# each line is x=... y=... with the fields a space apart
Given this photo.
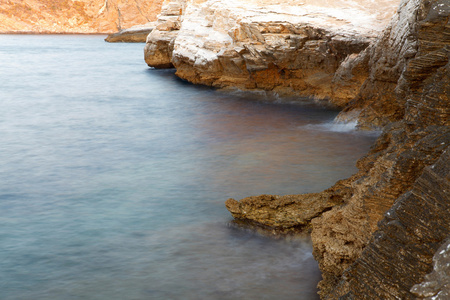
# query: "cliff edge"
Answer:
x=290 y=47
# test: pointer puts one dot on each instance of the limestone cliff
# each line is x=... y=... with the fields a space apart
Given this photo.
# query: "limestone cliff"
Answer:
x=287 y=47
x=75 y=16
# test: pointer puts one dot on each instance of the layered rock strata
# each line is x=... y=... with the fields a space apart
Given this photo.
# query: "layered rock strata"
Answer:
x=399 y=66
x=375 y=233
x=409 y=79
x=394 y=213
x=290 y=47
x=75 y=16
x=399 y=253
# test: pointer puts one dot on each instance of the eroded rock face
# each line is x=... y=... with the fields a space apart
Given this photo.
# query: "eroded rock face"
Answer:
x=70 y=16
x=160 y=42
x=394 y=213
x=291 y=47
x=401 y=250
x=399 y=64
x=343 y=237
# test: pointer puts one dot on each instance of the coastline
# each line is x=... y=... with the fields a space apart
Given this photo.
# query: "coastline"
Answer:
x=53 y=33
x=362 y=232
x=398 y=82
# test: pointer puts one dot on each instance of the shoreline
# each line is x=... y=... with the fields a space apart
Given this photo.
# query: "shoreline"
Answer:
x=360 y=228
x=51 y=33
x=397 y=81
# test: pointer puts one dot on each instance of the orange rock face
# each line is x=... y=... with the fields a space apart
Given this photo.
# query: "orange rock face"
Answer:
x=75 y=16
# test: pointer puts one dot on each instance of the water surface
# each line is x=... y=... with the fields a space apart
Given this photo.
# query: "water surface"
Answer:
x=113 y=178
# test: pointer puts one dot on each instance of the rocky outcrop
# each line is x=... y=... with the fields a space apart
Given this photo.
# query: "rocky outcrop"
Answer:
x=160 y=43
x=135 y=34
x=394 y=213
x=374 y=234
x=399 y=64
x=70 y=16
x=291 y=48
x=408 y=81
x=284 y=214
x=400 y=251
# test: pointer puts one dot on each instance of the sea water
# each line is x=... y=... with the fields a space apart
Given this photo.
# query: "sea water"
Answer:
x=113 y=177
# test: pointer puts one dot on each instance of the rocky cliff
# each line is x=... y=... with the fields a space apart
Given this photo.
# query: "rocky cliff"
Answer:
x=394 y=214
x=374 y=234
x=287 y=47
x=398 y=212
x=70 y=16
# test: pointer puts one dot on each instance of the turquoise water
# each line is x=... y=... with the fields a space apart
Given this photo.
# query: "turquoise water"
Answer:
x=113 y=177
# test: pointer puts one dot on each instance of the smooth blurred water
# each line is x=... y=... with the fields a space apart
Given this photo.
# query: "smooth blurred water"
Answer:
x=113 y=178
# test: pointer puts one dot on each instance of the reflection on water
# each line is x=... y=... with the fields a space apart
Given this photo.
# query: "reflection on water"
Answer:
x=114 y=176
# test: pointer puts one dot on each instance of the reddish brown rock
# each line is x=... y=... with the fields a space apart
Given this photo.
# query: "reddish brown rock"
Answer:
x=69 y=16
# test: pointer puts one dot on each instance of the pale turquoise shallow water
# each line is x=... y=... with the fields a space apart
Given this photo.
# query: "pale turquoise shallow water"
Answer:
x=113 y=178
